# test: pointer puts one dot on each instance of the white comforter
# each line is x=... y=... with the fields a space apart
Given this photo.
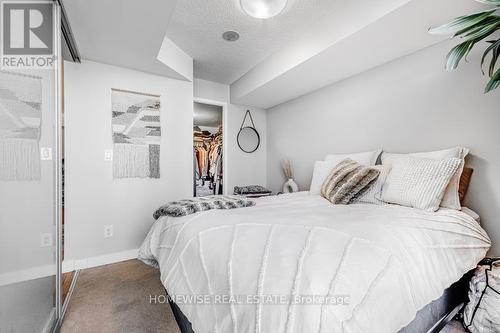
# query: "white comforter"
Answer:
x=390 y=261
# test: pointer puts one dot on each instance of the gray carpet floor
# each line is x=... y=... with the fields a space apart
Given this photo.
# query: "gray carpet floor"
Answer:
x=116 y=298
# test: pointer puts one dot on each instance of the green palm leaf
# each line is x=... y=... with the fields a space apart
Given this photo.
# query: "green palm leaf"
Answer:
x=490 y=2
x=495 y=48
x=484 y=31
x=493 y=83
x=473 y=29
x=461 y=23
x=490 y=20
x=457 y=53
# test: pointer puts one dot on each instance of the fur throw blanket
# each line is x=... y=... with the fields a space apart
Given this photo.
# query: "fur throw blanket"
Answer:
x=195 y=205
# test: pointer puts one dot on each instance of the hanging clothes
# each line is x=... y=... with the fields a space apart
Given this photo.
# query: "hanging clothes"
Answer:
x=208 y=153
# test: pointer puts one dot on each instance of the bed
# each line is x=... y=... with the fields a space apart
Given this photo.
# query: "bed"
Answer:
x=297 y=263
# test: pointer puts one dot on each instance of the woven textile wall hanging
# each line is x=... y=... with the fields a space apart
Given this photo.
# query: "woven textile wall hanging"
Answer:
x=20 y=120
x=136 y=134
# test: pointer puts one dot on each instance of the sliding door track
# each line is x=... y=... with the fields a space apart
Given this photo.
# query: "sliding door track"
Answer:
x=67 y=34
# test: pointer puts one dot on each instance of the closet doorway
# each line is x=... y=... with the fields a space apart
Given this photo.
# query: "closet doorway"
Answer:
x=208 y=149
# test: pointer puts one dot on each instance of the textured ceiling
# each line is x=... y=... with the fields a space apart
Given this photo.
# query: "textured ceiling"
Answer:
x=124 y=33
x=196 y=27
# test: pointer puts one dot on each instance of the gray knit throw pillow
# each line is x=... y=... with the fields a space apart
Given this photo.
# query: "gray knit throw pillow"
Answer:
x=347 y=181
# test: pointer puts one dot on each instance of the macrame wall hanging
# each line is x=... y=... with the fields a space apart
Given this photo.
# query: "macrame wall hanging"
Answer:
x=136 y=134
x=20 y=124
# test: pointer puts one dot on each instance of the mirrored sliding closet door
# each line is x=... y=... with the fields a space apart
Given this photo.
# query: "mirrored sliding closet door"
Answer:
x=30 y=166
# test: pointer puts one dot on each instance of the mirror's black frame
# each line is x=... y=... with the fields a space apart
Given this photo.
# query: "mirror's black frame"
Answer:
x=258 y=139
x=248 y=114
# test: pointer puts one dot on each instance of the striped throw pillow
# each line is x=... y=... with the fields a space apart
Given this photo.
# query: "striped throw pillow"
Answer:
x=347 y=181
x=373 y=193
x=419 y=182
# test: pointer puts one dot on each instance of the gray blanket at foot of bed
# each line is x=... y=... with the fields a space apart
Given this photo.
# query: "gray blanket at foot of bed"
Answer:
x=195 y=205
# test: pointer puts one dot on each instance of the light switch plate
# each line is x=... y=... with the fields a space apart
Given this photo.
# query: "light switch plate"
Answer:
x=108 y=154
x=46 y=154
x=45 y=240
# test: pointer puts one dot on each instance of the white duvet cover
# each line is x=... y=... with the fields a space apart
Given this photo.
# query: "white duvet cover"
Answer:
x=269 y=267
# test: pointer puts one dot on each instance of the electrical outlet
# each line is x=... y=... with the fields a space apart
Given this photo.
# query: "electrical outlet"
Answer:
x=108 y=154
x=45 y=240
x=108 y=231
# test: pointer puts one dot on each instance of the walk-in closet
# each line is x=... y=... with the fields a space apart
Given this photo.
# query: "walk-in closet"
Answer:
x=207 y=150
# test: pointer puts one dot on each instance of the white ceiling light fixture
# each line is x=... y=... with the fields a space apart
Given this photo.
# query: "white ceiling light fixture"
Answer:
x=263 y=9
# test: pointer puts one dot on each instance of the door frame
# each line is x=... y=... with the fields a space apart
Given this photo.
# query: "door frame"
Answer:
x=224 y=140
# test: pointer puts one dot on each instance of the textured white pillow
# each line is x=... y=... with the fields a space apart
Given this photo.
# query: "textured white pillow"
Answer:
x=373 y=193
x=450 y=199
x=419 y=182
x=323 y=168
x=366 y=158
x=321 y=171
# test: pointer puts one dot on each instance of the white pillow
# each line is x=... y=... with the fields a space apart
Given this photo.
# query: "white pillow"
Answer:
x=366 y=158
x=321 y=171
x=323 y=168
x=373 y=193
x=450 y=199
x=419 y=182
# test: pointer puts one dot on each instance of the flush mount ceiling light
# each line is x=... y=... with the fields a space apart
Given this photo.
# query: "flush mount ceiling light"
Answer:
x=263 y=9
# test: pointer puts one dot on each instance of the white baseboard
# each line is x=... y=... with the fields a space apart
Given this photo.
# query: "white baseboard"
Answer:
x=111 y=258
x=68 y=265
x=27 y=274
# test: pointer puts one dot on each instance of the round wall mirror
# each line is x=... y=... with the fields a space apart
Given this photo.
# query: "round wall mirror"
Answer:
x=248 y=139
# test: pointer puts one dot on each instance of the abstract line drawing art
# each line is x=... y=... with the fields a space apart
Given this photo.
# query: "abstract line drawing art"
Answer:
x=136 y=134
x=20 y=124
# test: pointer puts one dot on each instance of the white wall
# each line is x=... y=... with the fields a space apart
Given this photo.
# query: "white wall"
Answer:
x=93 y=198
x=411 y=104
x=242 y=168
x=176 y=59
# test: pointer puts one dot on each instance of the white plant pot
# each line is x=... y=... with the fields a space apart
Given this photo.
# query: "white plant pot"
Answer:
x=290 y=186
